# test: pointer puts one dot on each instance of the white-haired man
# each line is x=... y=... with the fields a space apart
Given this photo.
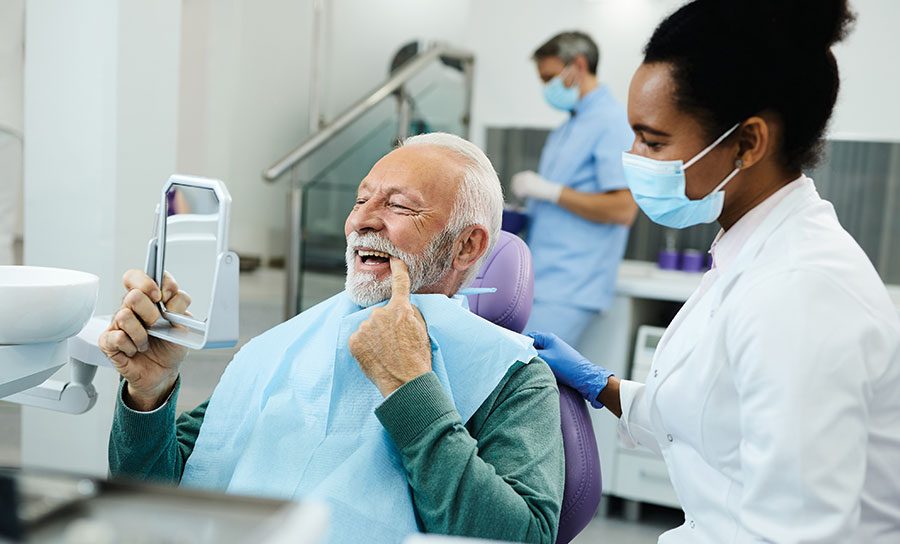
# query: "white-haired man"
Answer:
x=410 y=414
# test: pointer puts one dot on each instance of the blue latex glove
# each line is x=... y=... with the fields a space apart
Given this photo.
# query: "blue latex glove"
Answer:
x=571 y=367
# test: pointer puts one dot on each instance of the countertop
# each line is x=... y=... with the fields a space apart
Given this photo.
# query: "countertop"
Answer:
x=643 y=279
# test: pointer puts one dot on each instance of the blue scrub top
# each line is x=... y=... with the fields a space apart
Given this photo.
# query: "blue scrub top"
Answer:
x=576 y=260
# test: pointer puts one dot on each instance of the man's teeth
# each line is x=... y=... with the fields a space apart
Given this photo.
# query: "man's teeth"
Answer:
x=369 y=253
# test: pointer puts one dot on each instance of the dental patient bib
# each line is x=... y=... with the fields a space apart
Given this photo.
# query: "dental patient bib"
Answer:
x=294 y=416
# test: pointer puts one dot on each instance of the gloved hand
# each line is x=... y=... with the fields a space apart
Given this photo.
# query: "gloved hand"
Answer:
x=529 y=184
x=571 y=367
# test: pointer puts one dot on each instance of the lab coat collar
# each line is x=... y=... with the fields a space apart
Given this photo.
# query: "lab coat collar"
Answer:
x=727 y=245
x=682 y=335
x=801 y=195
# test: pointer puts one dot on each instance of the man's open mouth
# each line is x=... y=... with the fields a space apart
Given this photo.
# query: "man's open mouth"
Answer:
x=372 y=257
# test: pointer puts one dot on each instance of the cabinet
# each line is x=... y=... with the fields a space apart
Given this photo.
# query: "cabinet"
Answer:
x=622 y=339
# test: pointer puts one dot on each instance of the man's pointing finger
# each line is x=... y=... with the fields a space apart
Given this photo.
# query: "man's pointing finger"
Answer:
x=399 y=281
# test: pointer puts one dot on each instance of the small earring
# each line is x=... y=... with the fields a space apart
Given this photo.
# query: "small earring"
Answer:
x=738 y=163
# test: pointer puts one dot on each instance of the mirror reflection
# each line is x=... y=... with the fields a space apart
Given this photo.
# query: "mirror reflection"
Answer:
x=190 y=249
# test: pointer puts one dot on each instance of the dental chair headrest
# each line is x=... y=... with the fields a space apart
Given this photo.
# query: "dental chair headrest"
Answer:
x=508 y=268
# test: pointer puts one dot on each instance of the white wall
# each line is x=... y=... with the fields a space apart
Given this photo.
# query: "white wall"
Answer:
x=508 y=91
x=12 y=23
x=100 y=120
x=246 y=69
x=245 y=87
x=245 y=76
x=362 y=38
x=869 y=64
x=243 y=102
x=504 y=34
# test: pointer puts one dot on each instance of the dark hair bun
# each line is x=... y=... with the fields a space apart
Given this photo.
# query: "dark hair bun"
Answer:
x=819 y=23
x=738 y=58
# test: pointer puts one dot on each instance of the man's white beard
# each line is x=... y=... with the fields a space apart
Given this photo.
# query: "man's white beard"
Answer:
x=424 y=270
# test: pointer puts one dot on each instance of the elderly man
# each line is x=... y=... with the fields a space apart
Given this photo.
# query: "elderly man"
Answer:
x=413 y=414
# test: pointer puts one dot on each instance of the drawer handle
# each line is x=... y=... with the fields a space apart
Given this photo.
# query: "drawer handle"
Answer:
x=654 y=476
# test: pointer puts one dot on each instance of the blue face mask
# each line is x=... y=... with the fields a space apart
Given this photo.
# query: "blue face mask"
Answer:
x=559 y=96
x=658 y=188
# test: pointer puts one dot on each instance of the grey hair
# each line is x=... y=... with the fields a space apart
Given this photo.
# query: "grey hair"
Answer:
x=567 y=46
x=480 y=197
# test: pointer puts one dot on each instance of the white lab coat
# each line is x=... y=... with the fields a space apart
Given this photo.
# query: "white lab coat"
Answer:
x=774 y=397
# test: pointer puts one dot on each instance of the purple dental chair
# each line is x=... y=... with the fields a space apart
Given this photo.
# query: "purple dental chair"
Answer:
x=508 y=268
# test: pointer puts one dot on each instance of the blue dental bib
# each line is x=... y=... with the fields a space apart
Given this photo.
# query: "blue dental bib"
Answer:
x=293 y=415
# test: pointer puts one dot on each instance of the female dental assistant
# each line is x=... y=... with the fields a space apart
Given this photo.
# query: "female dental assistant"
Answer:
x=773 y=396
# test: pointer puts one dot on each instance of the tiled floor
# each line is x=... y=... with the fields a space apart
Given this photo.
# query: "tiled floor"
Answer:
x=262 y=307
x=652 y=521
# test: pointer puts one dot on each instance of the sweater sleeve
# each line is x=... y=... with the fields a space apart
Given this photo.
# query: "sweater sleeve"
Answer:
x=153 y=445
x=500 y=476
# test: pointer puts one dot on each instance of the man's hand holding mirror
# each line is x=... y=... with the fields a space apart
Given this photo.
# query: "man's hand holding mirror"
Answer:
x=149 y=365
x=150 y=334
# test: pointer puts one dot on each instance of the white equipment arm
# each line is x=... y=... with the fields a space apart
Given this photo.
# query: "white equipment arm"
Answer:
x=78 y=394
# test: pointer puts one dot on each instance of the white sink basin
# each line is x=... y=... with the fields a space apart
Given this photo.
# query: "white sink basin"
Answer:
x=40 y=305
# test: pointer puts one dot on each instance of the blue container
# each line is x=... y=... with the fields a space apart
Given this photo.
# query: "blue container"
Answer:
x=693 y=261
x=514 y=221
x=668 y=259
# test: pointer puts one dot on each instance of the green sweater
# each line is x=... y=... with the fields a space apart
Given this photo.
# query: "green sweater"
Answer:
x=499 y=476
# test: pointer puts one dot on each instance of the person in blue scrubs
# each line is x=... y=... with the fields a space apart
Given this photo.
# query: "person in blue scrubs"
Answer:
x=579 y=205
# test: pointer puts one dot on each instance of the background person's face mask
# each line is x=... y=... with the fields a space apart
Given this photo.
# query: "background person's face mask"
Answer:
x=658 y=188
x=558 y=95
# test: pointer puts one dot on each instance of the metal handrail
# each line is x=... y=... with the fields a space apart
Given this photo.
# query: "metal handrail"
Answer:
x=386 y=89
x=394 y=84
x=328 y=168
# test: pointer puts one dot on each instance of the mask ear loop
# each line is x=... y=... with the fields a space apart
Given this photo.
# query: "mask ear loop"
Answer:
x=562 y=76
x=712 y=146
x=737 y=168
